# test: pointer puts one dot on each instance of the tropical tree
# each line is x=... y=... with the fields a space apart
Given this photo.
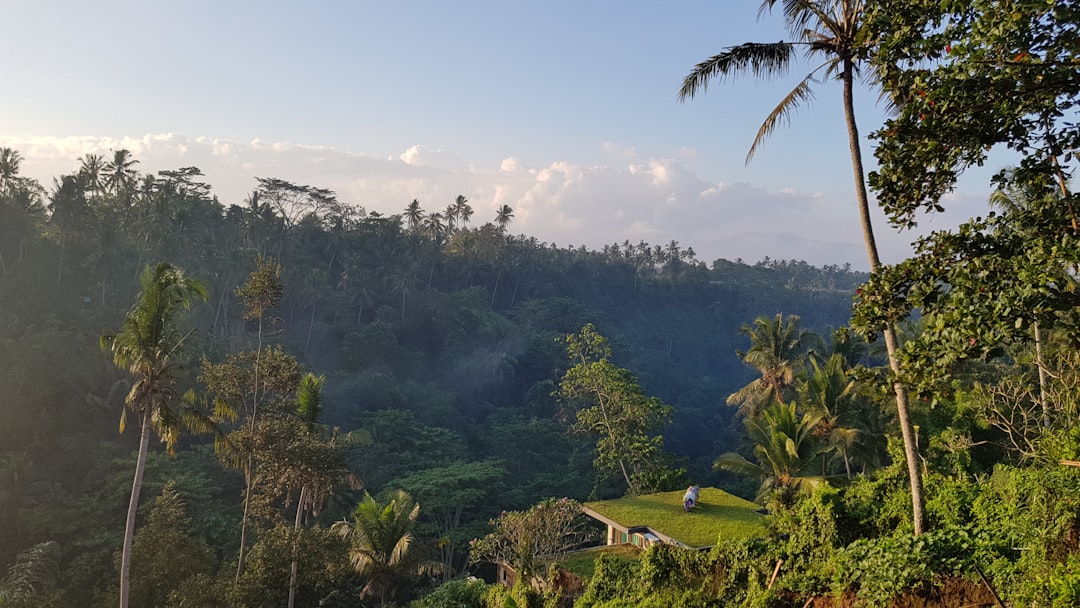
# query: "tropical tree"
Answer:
x=34 y=569
x=503 y=216
x=10 y=161
x=789 y=455
x=381 y=545
x=462 y=210
x=414 y=216
x=609 y=404
x=523 y=539
x=452 y=493
x=307 y=461
x=120 y=175
x=834 y=32
x=165 y=554
x=68 y=209
x=92 y=173
x=779 y=348
x=848 y=424
x=147 y=345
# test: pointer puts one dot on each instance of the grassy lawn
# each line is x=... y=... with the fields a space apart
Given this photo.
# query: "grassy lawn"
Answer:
x=717 y=514
x=583 y=563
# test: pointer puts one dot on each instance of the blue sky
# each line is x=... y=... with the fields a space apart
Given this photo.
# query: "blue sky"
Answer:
x=566 y=111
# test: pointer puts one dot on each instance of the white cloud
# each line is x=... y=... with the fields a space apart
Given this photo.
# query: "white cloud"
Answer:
x=658 y=200
x=444 y=160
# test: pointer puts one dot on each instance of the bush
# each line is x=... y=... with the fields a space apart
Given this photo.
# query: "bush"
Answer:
x=458 y=593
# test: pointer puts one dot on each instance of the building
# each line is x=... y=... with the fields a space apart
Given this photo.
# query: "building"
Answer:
x=660 y=518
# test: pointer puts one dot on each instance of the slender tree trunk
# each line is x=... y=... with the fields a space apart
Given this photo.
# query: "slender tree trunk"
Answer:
x=311 y=327
x=60 y=267
x=495 y=290
x=296 y=528
x=903 y=415
x=133 y=506
x=1043 y=401
x=249 y=477
x=249 y=483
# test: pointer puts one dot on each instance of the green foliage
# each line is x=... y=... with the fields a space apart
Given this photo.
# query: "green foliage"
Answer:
x=524 y=539
x=471 y=361
x=733 y=573
x=881 y=569
x=164 y=554
x=457 y=593
x=610 y=405
x=35 y=569
x=322 y=574
x=790 y=456
x=382 y=547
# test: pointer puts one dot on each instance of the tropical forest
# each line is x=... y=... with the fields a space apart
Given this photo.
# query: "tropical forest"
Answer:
x=290 y=400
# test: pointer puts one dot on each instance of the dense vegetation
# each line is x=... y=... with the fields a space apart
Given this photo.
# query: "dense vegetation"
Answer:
x=346 y=399
x=440 y=346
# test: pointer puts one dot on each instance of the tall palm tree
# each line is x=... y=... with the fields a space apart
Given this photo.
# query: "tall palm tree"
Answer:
x=91 y=173
x=147 y=345
x=309 y=409
x=833 y=31
x=503 y=216
x=414 y=216
x=381 y=545
x=120 y=175
x=789 y=454
x=845 y=426
x=778 y=348
x=462 y=209
x=10 y=160
x=68 y=208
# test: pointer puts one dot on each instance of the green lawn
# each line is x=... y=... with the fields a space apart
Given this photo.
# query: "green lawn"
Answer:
x=717 y=515
x=583 y=563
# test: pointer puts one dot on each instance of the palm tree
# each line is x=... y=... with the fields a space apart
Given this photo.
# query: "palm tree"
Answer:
x=789 y=455
x=435 y=228
x=503 y=217
x=68 y=208
x=451 y=218
x=414 y=216
x=381 y=544
x=834 y=31
x=830 y=391
x=119 y=173
x=91 y=172
x=778 y=348
x=34 y=569
x=147 y=345
x=462 y=209
x=309 y=409
x=10 y=160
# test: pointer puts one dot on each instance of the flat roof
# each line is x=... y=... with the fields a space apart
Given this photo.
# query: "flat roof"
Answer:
x=717 y=515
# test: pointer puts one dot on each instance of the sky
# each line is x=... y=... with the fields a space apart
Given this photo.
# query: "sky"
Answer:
x=564 y=110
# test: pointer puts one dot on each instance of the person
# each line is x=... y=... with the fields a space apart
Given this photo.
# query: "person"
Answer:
x=690 y=498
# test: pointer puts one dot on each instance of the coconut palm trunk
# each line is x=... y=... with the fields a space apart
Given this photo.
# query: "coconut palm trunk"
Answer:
x=903 y=416
x=296 y=530
x=834 y=30
x=133 y=507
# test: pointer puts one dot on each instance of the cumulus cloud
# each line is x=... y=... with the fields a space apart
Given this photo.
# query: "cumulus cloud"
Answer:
x=444 y=160
x=655 y=200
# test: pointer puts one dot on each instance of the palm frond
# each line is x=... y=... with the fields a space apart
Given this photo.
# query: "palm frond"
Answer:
x=760 y=59
x=782 y=113
x=737 y=463
x=34 y=569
